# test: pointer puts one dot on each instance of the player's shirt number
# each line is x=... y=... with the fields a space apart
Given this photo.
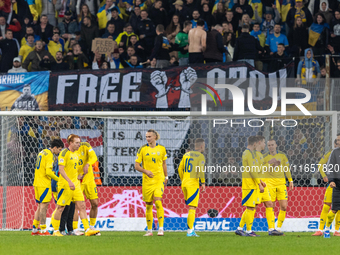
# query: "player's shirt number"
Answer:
x=37 y=165
x=188 y=165
x=154 y=160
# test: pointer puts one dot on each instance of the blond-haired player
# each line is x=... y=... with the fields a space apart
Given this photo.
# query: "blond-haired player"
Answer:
x=42 y=184
x=191 y=170
x=152 y=156
x=327 y=202
x=276 y=180
x=69 y=186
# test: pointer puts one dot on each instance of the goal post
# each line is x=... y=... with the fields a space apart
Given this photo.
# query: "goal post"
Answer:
x=116 y=137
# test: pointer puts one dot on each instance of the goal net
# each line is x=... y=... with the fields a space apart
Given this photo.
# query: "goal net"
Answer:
x=116 y=137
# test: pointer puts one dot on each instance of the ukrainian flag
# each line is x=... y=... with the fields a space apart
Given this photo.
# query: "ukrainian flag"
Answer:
x=102 y=18
x=252 y=3
x=315 y=32
x=143 y=6
x=215 y=6
x=34 y=8
x=285 y=7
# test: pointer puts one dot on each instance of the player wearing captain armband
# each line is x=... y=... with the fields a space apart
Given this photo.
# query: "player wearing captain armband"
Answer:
x=87 y=158
x=69 y=186
x=327 y=202
x=191 y=171
x=42 y=184
x=250 y=185
x=265 y=197
x=276 y=181
x=152 y=156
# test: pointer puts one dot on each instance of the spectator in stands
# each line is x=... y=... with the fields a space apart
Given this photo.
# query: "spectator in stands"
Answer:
x=274 y=39
x=88 y=32
x=130 y=51
x=308 y=69
x=173 y=61
x=9 y=50
x=335 y=31
x=44 y=27
x=29 y=31
x=207 y=16
x=181 y=11
x=146 y=32
x=36 y=56
x=58 y=65
x=132 y=63
x=135 y=17
x=190 y=5
x=246 y=20
x=257 y=33
x=267 y=24
x=279 y=59
x=246 y=47
x=230 y=43
x=158 y=14
x=299 y=10
x=116 y=59
x=124 y=37
x=85 y=12
x=137 y=46
x=161 y=49
x=92 y=7
x=215 y=49
x=110 y=32
x=99 y=59
x=117 y=21
x=182 y=44
x=110 y=64
x=173 y=29
x=195 y=18
x=152 y=63
x=105 y=14
x=219 y=13
x=67 y=26
x=319 y=39
x=197 y=39
x=242 y=7
x=231 y=19
x=77 y=59
x=324 y=10
x=54 y=45
x=323 y=72
x=26 y=48
x=48 y=9
x=16 y=27
x=298 y=35
x=17 y=66
x=336 y=72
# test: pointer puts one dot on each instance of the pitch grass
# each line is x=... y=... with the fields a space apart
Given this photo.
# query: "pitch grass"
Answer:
x=133 y=243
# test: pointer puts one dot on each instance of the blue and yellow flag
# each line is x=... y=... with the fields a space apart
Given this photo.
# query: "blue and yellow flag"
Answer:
x=315 y=32
x=102 y=18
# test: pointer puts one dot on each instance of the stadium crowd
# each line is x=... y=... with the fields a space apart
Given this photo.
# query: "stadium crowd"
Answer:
x=57 y=35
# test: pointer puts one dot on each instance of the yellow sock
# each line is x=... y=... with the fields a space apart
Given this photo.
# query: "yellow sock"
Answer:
x=250 y=214
x=330 y=218
x=337 y=221
x=55 y=224
x=323 y=216
x=43 y=227
x=191 y=218
x=243 y=219
x=36 y=224
x=85 y=224
x=75 y=225
x=93 y=221
x=149 y=216
x=281 y=218
x=270 y=218
x=160 y=213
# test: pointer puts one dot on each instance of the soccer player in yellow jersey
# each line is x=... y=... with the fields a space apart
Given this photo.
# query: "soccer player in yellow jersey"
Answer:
x=276 y=180
x=327 y=202
x=191 y=170
x=155 y=176
x=87 y=158
x=69 y=186
x=265 y=197
x=42 y=184
x=250 y=185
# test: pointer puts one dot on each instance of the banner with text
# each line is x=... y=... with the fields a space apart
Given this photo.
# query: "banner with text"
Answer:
x=150 y=88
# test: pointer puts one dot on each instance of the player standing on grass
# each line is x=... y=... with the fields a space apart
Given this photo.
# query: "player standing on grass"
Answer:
x=87 y=158
x=155 y=176
x=69 y=186
x=277 y=180
x=191 y=171
x=327 y=202
x=250 y=186
x=265 y=197
x=42 y=184
x=333 y=168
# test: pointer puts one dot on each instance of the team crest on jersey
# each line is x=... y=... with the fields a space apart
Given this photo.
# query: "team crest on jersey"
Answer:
x=158 y=153
x=82 y=153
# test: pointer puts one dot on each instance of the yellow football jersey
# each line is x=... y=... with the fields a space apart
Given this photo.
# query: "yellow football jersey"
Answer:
x=249 y=170
x=278 y=176
x=70 y=161
x=191 y=169
x=323 y=162
x=43 y=169
x=152 y=160
x=86 y=156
